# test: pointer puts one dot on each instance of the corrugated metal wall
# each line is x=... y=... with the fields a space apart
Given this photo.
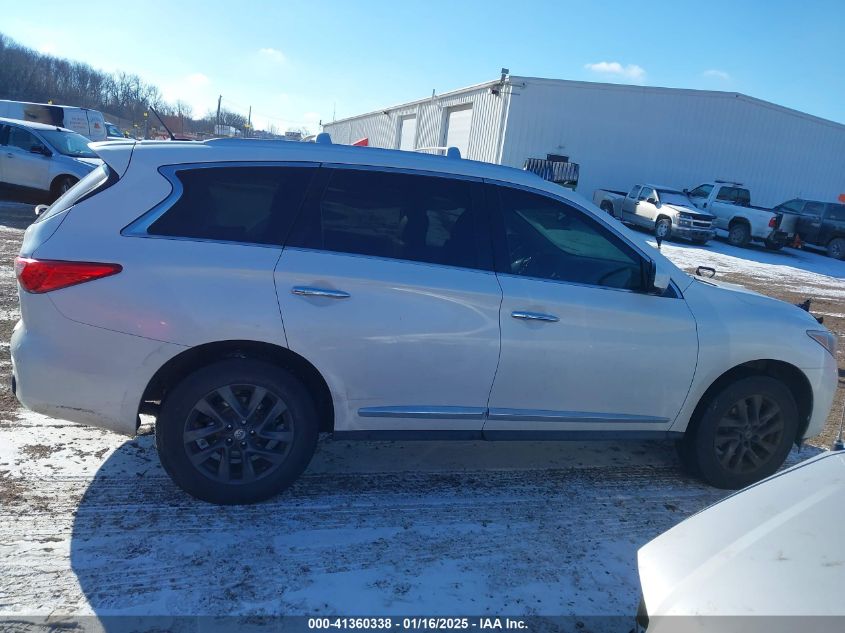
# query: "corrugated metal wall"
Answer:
x=383 y=129
x=621 y=135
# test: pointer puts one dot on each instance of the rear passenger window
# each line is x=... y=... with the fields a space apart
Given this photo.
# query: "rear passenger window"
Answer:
x=254 y=205
x=397 y=216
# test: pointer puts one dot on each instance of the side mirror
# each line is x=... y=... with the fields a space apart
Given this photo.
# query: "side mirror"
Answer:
x=658 y=278
x=40 y=149
x=686 y=190
x=652 y=200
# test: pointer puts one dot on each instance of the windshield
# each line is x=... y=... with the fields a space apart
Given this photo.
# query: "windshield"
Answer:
x=674 y=197
x=68 y=143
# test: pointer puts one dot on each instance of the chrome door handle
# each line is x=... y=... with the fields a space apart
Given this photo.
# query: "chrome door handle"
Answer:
x=533 y=316
x=308 y=291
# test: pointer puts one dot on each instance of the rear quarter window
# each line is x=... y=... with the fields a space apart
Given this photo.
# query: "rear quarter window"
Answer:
x=246 y=204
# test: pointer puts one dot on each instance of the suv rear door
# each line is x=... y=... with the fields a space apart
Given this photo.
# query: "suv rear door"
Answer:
x=386 y=287
x=584 y=349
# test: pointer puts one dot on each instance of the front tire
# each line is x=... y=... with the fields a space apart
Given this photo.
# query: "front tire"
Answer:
x=743 y=435
x=836 y=248
x=238 y=431
x=739 y=234
x=663 y=228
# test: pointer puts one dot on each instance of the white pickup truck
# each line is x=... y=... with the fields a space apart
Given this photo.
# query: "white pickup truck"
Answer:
x=665 y=210
x=730 y=204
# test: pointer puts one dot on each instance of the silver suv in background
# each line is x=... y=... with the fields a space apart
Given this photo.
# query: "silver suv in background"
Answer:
x=44 y=158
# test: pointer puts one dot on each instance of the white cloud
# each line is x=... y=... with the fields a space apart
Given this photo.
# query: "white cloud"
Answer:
x=273 y=55
x=195 y=89
x=631 y=71
x=716 y=74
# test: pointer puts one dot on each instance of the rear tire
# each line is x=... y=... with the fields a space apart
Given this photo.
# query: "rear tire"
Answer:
x=743 y=435
x=238 y=431
x=739 y=234
x=836 y=248
x=61 y=185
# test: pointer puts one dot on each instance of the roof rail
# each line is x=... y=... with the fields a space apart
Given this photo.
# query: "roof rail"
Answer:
x=252 y=141
x=728 y=182
x=448 y=152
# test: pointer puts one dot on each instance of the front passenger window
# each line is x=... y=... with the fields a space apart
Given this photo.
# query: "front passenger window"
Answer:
x=547 y=239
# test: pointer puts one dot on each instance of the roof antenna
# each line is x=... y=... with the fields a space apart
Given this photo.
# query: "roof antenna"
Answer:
x=172 y=138
x=839 y=444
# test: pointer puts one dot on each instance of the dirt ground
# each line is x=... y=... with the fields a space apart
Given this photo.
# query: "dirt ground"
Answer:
x=91 y=526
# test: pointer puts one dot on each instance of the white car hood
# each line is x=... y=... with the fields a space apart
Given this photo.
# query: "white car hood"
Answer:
x=775 y=548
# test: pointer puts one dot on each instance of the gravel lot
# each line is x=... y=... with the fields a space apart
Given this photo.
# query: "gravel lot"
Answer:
x=90 y=525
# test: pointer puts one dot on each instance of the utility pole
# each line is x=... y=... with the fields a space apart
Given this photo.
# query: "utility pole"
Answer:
x=217 y=129
x=249 y=122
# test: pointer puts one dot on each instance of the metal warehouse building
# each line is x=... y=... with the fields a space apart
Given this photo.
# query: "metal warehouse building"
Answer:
x=621 y=135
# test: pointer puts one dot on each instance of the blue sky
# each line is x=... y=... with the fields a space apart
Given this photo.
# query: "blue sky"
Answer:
x=297 y=62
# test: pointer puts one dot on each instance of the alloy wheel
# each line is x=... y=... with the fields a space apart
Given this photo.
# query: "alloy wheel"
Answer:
x=238 y=434
x=749 y=434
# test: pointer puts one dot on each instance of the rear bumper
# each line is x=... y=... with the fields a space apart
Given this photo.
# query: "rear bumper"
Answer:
x=79 y=372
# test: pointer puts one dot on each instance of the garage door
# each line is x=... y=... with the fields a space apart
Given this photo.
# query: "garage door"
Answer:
x=408 y=133
x=458 y=122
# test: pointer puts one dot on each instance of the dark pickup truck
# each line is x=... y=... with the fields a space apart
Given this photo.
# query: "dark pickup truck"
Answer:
x=820 y=224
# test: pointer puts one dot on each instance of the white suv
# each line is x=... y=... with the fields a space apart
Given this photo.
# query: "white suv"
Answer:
x=44 y=158
x=251 y=294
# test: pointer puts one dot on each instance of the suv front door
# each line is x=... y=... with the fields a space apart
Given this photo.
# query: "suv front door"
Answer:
x=386 y=287
x=584 y=347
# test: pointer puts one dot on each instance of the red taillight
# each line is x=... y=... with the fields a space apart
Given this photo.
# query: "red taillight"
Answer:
x=773 y=222
x=44 y=275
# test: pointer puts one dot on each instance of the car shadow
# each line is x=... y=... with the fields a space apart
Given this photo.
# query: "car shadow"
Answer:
x=379 y=528
x=382 y=529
